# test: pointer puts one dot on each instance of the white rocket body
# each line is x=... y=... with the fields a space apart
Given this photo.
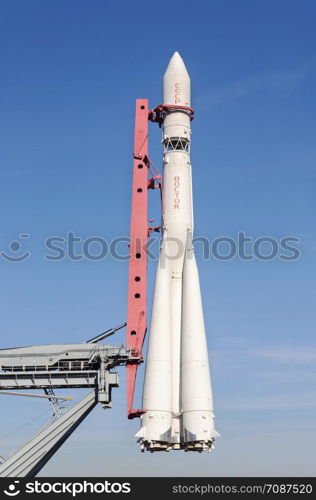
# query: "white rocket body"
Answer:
x=177 y=394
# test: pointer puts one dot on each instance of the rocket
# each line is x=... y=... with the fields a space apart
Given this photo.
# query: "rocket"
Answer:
x=177 y=393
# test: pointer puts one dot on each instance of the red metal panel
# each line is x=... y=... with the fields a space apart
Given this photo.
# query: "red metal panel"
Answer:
x=137 y=288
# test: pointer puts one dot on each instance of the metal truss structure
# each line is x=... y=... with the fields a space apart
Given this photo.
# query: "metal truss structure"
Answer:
x=65 y=366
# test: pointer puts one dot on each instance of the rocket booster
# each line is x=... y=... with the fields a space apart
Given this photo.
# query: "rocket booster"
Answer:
x=177 y=394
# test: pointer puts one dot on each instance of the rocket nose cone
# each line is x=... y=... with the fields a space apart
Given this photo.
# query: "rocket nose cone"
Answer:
x=176 y=66
x=176 y=82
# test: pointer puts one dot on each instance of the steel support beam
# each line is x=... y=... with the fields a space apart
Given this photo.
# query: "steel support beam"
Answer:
x=47 y=379
x=32 y=457
x=137 y=275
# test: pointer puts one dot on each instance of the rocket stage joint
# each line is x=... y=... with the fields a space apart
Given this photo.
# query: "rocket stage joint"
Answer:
x=158 y=114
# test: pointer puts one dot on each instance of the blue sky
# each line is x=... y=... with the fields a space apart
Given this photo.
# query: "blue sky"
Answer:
x=70 y=73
